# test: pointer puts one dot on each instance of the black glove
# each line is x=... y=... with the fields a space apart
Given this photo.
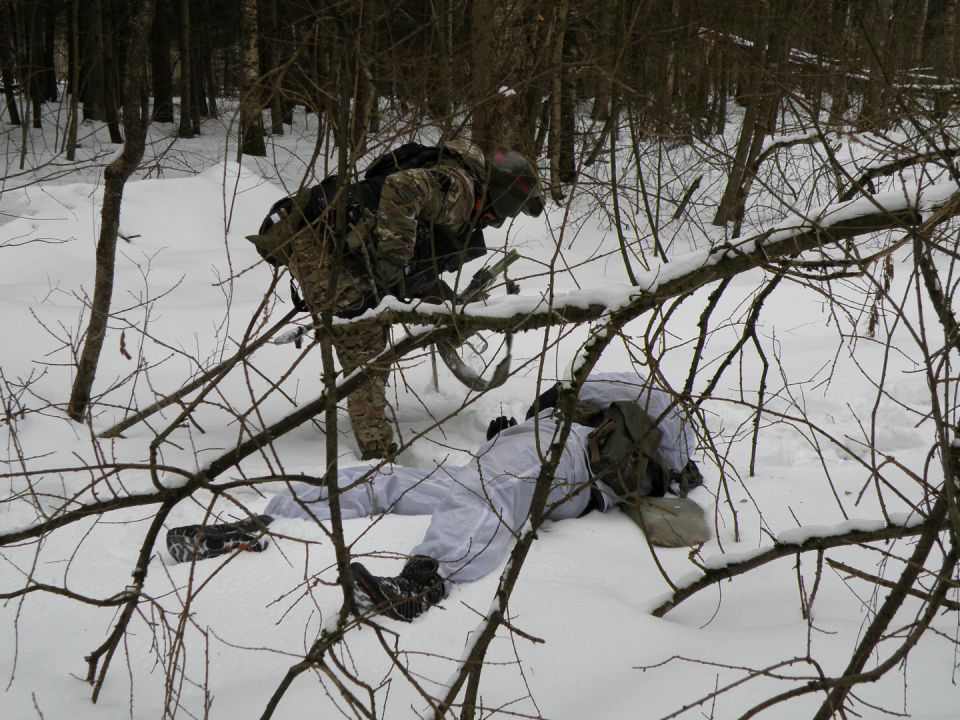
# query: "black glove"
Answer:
x=498 y=424
x=548 y=399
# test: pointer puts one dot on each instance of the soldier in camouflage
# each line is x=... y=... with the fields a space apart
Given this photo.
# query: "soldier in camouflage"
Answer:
x=468 y=189
x=310 y=265
x=445 y=196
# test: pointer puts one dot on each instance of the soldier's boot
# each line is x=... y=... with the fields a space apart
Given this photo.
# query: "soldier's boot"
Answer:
x=199 y=542
x=378 y=451
x=405 y=597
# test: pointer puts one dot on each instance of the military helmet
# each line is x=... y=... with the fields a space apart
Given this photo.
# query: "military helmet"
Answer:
x=512 y=185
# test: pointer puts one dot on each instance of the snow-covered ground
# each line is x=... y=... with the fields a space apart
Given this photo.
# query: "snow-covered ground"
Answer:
x=187 y=285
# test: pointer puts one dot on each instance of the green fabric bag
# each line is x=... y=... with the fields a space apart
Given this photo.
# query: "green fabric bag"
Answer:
x=275 y=245
x=622 y=445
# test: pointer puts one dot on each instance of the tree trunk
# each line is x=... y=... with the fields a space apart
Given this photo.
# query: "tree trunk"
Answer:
x=49 y=82
x=199 y=94
x=269 y=30
x=203 y=68
x=555 y=143
x=135 y=123
x=840 y=102
x=34 y=74
x=875 y=97
x=110 y=75
x=7 y=75
x=482 y=68
x=251 y=116
x=608 y=51
x=210 y=82
x=762 y=102
x=922 y=8
x=160 y=65
x=950 y=39
x=366 y=93
x=74 y=119
x=6 y=67
x=91 y=90
x=568 y=115
x=186 y=106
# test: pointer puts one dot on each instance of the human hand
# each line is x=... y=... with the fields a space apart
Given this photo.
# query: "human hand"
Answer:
x=498 y=424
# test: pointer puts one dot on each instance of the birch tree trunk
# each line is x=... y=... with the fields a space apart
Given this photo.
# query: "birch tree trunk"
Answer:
x=270 y=32
x=251 y=116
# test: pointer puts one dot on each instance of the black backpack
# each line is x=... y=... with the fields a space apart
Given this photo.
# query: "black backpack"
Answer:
x=310 y=205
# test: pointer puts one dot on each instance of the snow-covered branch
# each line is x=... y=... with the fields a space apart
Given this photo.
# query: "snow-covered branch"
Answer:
x=790 y=543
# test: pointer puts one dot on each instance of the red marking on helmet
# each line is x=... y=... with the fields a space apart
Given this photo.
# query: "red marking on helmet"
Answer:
x=499 y=156
x=523 y=185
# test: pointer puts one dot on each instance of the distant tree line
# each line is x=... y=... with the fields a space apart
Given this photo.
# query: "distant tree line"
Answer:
x=519 y=72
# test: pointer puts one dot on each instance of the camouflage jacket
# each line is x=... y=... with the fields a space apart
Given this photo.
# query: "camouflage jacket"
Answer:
x=445 y=196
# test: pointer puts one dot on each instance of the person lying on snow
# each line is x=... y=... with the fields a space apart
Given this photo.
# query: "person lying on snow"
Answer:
x=476 y=509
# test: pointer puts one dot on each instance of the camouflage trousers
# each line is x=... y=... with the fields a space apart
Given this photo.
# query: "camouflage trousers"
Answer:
x=310 y=266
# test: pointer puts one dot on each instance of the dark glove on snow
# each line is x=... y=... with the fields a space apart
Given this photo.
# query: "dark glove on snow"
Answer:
x=498 y=424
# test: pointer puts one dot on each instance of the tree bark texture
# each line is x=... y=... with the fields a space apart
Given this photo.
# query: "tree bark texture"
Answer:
x=556 y=102
x=74 y=65
x=186 y=129
x=7 y=66
x=49 y=81
x=160 y=64
x=110 y=75
x=482 y=72
x=269 y=33
x=91 y=54
x=251 y=115
x=135 y=122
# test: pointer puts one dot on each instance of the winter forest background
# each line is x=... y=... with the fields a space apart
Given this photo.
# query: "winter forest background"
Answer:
x=753 y=203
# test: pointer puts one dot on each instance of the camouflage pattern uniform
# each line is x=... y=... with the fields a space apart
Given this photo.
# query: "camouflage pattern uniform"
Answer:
x=442 y=195
x=310 y=265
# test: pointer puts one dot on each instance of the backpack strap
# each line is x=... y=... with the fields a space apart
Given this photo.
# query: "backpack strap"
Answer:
x=598 y=437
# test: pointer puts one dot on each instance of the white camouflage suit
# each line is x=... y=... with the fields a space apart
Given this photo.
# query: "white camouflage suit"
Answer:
x=476 y=508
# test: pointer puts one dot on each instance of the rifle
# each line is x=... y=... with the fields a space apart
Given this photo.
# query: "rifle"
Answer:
x=476 y=290
x=482 y=281
x=484 y=278
x=419 y=282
